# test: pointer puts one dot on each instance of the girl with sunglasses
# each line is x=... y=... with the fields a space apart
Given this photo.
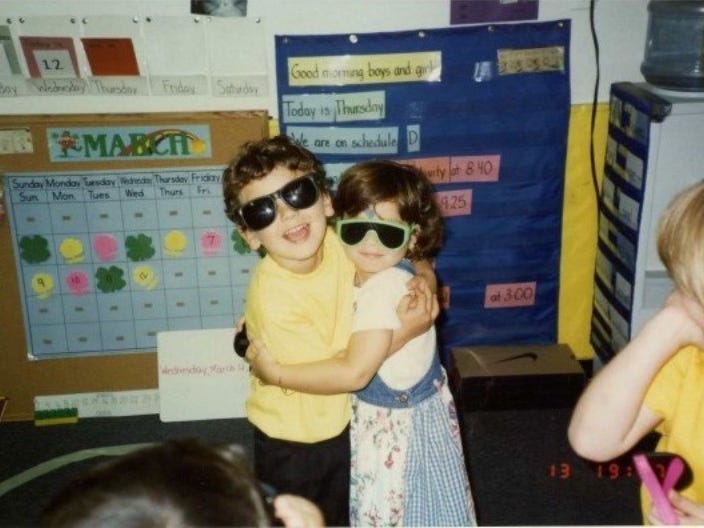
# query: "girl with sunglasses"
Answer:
x=408 y=467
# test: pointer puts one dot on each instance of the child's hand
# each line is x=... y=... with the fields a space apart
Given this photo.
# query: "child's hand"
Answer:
x=421 y=293
x=417 y=309
x=261 y=361
x=421 y=282
x=424 y=273
x=688 y=512
x=297 y=512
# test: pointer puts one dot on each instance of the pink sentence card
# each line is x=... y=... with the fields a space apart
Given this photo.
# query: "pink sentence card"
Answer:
x=475 y=168
x=457 y=202
x=510 y=295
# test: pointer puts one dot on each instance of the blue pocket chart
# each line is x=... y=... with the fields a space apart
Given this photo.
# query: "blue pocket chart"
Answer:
x=484 y=110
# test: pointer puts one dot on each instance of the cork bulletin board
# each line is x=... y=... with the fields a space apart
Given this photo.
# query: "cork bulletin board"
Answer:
x=114 y=230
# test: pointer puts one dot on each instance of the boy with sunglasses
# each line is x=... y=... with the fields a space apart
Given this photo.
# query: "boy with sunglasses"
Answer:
x=408 y=467
x=299 y=304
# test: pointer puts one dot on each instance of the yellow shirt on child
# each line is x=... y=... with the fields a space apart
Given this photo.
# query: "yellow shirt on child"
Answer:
x=677 y=395
x=301 y=318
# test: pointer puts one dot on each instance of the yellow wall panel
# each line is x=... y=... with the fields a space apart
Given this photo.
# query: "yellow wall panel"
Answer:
x=579 y=228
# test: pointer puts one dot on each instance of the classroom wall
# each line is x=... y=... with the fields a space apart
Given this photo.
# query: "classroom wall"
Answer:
x=620 y=55
x=621 y=50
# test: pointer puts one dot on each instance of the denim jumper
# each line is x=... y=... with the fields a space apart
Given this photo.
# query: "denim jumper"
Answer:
x=435 y=485
x=379 y=393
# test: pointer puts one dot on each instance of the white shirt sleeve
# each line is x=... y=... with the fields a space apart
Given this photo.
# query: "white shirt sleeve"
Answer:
x=376 y=300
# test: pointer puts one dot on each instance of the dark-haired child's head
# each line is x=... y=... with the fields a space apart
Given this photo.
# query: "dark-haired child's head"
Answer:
x=175 y=484
x=275 y=193
x=256 y=160
x=368 y=183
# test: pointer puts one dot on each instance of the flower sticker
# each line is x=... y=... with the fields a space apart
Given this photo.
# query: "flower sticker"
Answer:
x=105 y=246
x=145 y=277
x=211 y=243
x=175 y=243
x=43 y=285
x=72 y=250
x=78 y=283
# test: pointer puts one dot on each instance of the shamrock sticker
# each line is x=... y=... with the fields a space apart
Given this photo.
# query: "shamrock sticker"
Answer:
x=34 y=249
x=110 y=279
x=239 y=244
x=139 y=247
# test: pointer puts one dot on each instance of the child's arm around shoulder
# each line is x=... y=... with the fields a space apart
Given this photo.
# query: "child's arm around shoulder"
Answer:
x=425 y=273
x=610 y=416
x=418 y=309
x=365 y=353
x=346 y=372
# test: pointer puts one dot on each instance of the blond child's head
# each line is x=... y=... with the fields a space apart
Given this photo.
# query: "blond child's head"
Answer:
x=680 y=241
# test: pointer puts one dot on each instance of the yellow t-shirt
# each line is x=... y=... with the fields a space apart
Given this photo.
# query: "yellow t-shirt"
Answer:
x=677 y=395
x=301 y=318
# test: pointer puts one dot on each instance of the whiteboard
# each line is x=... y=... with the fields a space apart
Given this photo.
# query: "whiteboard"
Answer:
x=200 y=376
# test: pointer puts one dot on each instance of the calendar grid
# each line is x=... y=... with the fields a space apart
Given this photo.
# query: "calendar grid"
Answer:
x=107 y=260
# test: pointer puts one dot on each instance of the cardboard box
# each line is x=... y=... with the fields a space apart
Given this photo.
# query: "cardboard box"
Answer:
x=516 y=377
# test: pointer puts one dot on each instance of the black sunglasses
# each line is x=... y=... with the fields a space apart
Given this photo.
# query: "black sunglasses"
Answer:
x=392 y=235
x=300 y=193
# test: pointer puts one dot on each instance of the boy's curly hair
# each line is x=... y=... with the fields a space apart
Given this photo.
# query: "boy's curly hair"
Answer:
x=256 y=159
